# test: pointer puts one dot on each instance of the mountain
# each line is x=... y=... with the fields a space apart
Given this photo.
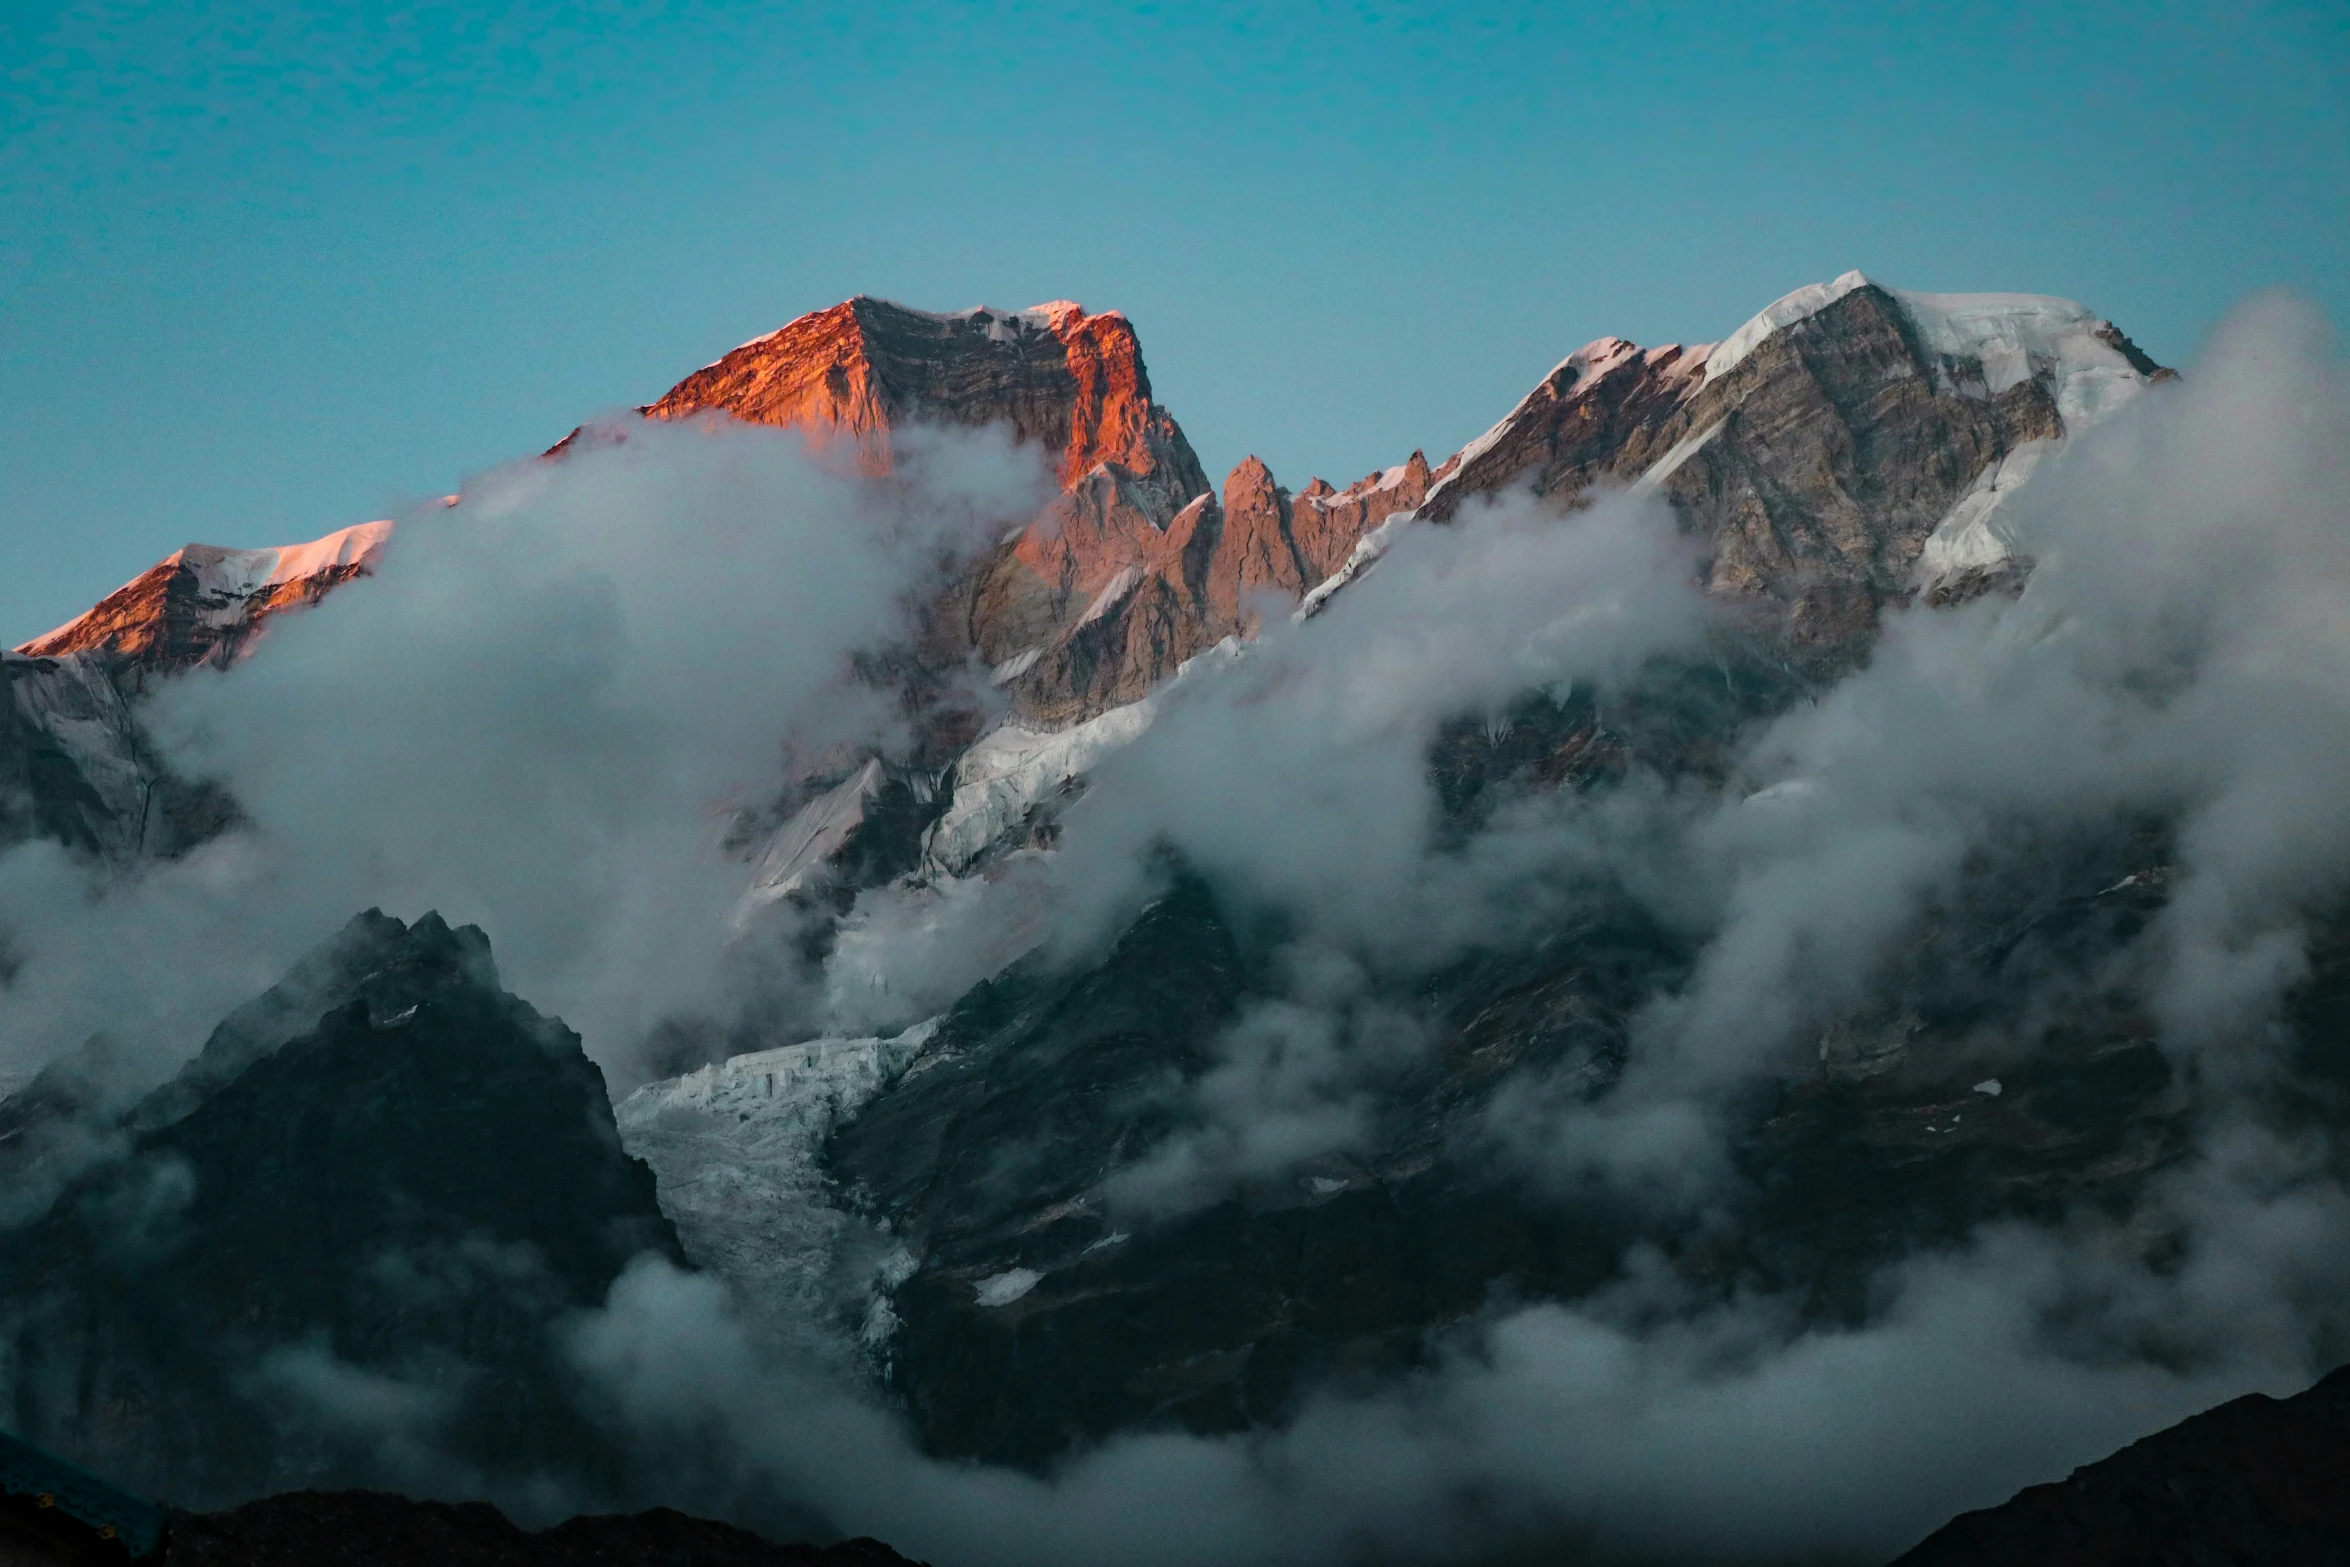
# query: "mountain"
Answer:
x=352 y=1221
x=205 y=605
x=949 y=1212
x=75 y=765
x=368 y=1529
x=1850 y=447
x=2257 y=1480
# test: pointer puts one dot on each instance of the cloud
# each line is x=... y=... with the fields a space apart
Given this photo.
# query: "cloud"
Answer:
x=536 y=716
x=525 y=720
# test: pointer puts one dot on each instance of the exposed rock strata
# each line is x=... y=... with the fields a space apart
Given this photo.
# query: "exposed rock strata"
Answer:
x=76 y=767
x=1815 y=454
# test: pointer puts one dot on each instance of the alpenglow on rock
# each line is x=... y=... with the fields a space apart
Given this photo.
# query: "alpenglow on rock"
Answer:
x=1850 y=448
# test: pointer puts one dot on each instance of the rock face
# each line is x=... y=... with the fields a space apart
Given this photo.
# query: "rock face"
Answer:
x=1136 y=567
x=1823 y=451
x=352 y=1222
x=76 y=767
x=1071 y=382
x=2258 y=1480
x=1850 y=448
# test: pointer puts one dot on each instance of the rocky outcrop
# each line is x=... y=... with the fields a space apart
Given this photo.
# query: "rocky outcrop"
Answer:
x=1053 y=375
x=347 y=1231
x=75 y=764
x=1136 y=567
x=2257 y=1480
x=1821 y=452
x=205 y=605
x=1848 y=448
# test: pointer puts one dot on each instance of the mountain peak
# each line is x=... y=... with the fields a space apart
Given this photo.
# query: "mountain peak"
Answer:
x=202 y=603
x=1061 y=378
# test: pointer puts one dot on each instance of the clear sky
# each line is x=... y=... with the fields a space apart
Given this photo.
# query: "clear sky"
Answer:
x=267 y=270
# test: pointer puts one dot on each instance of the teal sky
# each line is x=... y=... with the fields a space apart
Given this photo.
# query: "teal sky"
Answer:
x=269 y=270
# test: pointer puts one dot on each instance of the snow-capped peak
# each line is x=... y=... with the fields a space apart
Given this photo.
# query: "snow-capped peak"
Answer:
x=1784 y=311
x=226 y=579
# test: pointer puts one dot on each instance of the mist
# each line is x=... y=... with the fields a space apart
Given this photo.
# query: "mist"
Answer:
x=2177 y=657
x=543 y=710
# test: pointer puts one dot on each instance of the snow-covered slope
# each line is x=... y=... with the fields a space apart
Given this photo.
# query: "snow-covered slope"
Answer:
x=1012 y=769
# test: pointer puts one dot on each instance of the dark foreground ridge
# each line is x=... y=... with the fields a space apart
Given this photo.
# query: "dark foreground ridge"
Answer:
x=2257 y=1482
x=372 y=1529
x=384 y=1172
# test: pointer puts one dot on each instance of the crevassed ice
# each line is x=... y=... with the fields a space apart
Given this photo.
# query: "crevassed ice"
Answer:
x=734 y=1151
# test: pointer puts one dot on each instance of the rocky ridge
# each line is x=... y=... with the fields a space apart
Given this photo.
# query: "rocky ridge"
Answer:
x=1850 y=448
x=323 y=1216
x=205 y=605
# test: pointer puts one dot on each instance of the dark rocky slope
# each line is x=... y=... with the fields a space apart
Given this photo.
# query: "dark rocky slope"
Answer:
x=2257 y=1482
x=350 y=1225
x=76 y=767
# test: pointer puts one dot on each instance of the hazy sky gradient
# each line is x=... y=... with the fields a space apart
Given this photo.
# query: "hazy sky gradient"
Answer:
x=267 y=271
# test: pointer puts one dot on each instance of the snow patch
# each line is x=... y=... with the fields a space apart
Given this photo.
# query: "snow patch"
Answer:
x=1014 y=667
x=1007 y=1287
x=1989 y=1086
x=1986 y=344
x=2015 y=337
x=1107 y=599
x=1977 y=532
x=1670 y=463
x=1362 y=558
x=802 y=846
